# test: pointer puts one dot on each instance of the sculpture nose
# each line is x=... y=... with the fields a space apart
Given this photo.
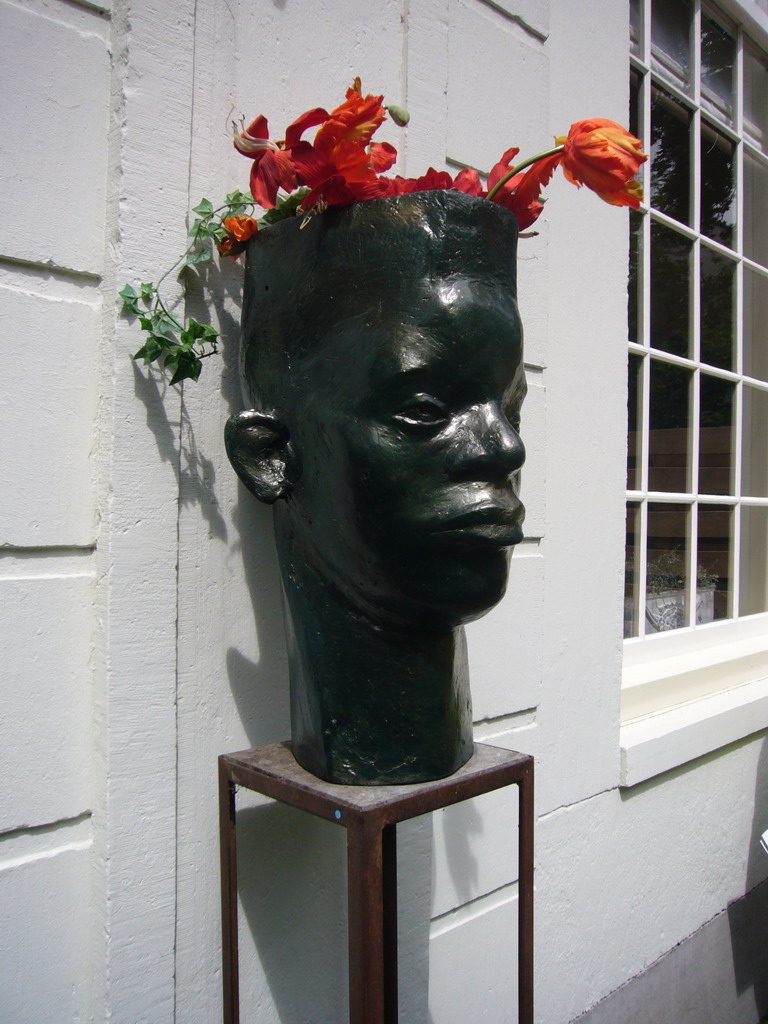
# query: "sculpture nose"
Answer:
x=486 y=445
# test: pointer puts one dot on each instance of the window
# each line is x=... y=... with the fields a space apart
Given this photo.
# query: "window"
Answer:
x=697 y=469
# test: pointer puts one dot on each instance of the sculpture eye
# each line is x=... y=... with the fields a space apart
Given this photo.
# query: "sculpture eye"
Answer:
x=423 y=411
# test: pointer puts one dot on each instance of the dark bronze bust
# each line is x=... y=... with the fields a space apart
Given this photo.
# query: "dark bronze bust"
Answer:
x=381 y=362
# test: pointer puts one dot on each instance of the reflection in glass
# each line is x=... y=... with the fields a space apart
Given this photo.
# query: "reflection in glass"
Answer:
x=635 y=96
x=635 y=27
x=715 y=435
x=713 y=565
x=755 y=207
x=670 y=290
x=717 y=61
x=669 y=440
x=631 y=581
x=671 y=35
x=754 y=459
x=634 y=392
x=670 y=156
x=756 y=97
x=633 y=292
x=667 y=571
x=753 y=561
x=718 y=298
x=755 y=324
x=718 y=190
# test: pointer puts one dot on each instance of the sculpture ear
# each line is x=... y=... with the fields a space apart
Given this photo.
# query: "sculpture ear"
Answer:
x=258 y=447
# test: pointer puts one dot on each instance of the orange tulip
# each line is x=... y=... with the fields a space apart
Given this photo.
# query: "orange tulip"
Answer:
x=604 y=156
x=239 y=230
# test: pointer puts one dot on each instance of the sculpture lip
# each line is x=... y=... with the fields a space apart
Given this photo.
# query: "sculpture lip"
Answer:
x=499 y=525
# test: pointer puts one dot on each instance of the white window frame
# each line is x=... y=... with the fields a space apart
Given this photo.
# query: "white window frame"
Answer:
x=699 y=688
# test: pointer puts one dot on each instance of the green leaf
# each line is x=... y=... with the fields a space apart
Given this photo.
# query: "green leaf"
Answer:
x=195 y=329
x=145 y=323
x=204 y=208
x=287 y=208
x=147 y=291
x=196 y=256
x=162 y=323
x=152 y=349
x=130 y=296
x=172 y=359
x=188 y=367
x=239 y=198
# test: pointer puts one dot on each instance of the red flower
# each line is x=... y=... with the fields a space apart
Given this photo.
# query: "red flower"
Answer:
x=522 y=193
x=272 y=164
x=468 y=181
x=429 y=182
x=603 y=156
x=383 y=156
x=272 y=168
x=239 y=230
x=338 y=166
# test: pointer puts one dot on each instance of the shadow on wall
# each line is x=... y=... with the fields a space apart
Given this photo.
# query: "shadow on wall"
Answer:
x=293 y=893
x=207 y=287
x=260 y=688
x=195 y=474
x=748 y=917
x=462 y=828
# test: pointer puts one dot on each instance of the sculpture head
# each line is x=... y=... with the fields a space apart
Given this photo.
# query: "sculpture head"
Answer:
x=382 y=362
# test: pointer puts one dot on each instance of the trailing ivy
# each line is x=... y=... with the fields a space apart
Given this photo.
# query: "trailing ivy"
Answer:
x=178 y=345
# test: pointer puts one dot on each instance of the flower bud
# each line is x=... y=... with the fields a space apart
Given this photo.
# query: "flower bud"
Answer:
x=399 y=115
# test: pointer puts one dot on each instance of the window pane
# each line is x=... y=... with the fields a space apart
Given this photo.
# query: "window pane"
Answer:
x=753 y=591
x=718 y=191
x=631 y=581
x=669 y=440
x=671 y=35
x=633 y=292
x=717 y=309
x=715 y=435
x=755 y=206
x=755 y=324
x=635 y=27
x=633 y=423
x=670 y=291
x=717 y=61
x=756 y=97
x=635 y=112
x=667 y=574
x=713 y=566
x=670 y=156
x=754 y=465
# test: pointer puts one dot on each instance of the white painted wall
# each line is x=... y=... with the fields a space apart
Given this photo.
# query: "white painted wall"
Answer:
x=141 y=633
x=54 y=115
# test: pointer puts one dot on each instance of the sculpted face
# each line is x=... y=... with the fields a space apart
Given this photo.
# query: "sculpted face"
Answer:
x=404 y=427
x=382 y=371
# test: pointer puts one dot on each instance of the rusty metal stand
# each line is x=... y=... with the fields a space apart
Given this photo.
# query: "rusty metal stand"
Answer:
x=370 y=815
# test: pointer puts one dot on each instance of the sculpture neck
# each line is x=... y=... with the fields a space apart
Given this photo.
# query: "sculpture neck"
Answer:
x=370 y=704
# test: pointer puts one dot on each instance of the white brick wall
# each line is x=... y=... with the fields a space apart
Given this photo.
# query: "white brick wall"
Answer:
x=54 y=106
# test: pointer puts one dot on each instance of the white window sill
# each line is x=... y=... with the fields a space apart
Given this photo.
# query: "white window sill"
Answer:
x=657 y=742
